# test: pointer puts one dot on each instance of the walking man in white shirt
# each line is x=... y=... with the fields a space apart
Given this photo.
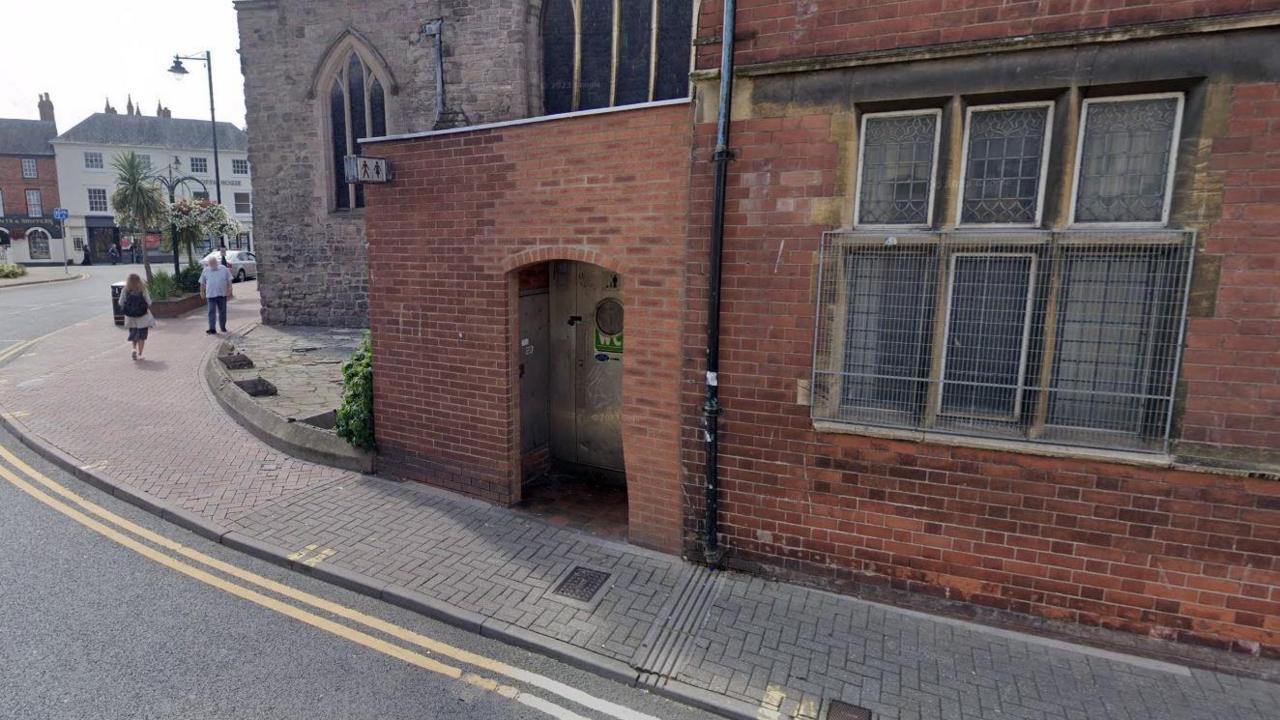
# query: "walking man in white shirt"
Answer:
x=215 y=288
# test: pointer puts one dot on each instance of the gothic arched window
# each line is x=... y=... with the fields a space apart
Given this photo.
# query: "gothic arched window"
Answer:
x=598 y=53
x=357 y=109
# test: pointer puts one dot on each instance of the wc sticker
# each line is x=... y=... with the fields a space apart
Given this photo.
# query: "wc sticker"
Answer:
x=608 y=343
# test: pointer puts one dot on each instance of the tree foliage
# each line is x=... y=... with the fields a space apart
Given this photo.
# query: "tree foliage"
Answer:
x=137 y=201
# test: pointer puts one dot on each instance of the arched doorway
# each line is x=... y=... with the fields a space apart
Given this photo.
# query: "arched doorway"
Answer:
x=570 y=353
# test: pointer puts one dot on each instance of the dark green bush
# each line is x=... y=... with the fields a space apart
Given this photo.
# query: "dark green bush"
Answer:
x=355 y=415
x=189 y=279
x=163 y=286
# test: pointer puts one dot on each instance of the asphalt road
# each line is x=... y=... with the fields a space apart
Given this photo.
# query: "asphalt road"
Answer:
x=33 y=310
x=93 y=628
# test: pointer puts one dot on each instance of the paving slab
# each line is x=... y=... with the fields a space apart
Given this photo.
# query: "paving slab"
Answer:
x=740 y=644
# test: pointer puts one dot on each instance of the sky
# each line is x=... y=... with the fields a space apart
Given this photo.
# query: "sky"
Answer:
x=82 y=52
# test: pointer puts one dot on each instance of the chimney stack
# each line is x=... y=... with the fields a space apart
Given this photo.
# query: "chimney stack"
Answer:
x=46 y=110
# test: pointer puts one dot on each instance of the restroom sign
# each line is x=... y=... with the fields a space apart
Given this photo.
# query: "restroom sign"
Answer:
x=608 y=343
x=360 y=169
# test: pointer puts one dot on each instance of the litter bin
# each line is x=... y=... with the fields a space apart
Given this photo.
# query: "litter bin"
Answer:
x=116 y=310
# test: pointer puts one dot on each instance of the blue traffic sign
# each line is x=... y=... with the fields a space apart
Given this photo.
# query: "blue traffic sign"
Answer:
x=60 y=214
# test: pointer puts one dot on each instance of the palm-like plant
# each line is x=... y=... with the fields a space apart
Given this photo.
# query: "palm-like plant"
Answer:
x=138 y=201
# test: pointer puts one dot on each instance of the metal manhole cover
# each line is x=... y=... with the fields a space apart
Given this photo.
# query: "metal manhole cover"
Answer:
x=582 y=584
x=839 y=710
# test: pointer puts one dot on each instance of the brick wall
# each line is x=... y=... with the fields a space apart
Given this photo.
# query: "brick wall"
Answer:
x=1191 y=556
x=446 y=240
x=15 y=187
x=1232 y=366
x=771 y=30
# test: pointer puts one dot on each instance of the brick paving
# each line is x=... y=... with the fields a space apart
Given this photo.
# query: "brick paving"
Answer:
x=782 y=648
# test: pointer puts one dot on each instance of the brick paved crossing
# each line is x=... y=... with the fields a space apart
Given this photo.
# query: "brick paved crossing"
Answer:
x=783 y=648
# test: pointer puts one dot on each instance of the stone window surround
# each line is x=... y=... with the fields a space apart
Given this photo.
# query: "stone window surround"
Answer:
x=1065 y=181
x=330 y=66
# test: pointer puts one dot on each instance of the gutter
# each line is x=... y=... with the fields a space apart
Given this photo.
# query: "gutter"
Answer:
x=711 y=406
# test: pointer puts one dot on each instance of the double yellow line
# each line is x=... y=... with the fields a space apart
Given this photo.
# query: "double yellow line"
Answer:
x=132 y=535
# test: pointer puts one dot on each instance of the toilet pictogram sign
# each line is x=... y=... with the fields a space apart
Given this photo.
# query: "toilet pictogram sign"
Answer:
x=360 y=169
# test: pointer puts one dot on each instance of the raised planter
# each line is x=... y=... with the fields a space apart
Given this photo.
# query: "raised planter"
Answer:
x=177 y=306
x=311 y=439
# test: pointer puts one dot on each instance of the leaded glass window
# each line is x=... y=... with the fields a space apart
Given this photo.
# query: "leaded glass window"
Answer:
x=357 y=109
x=1126 y=164
x=898 y=159
x=602 y=53
x=1004 y=165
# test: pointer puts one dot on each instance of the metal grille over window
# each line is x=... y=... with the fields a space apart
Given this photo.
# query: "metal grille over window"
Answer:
x=897 y=168
x=1004 y=158
x=1059 y=337
x=1125 y=152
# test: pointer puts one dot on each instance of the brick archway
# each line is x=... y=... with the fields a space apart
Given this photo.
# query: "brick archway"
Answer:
x=590 y=255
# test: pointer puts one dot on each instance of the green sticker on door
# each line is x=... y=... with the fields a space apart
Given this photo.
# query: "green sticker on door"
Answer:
x=608 y=343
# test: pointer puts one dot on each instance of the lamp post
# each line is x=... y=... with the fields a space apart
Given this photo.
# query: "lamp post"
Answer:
x=171 y=184
x=178 y=70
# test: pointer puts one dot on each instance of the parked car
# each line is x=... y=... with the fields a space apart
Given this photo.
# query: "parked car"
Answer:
x=243 y=264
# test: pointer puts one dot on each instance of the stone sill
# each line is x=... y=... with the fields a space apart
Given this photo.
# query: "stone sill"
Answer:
x=1155 y=460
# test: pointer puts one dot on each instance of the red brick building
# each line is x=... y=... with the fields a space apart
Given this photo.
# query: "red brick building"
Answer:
x=29 y=190
x=999 y=310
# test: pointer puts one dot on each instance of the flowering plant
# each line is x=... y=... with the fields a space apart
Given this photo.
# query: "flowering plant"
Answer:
x=197 y=218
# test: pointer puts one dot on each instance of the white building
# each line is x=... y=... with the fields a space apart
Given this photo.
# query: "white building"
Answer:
x=86 y=179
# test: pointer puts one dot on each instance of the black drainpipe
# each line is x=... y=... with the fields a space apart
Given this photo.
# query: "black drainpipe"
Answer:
x=711 y=408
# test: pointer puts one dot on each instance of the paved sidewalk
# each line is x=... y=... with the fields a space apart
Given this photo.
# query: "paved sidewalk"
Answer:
x=747 y=646
x=41 y=275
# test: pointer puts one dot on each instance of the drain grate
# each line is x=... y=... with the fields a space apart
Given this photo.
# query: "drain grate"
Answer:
x=582 y=584
x=839 y=710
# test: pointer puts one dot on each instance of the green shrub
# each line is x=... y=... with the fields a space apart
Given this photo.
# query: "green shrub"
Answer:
x=11 y=270
x=355 y=415
x=189 y=279
x=163 y=286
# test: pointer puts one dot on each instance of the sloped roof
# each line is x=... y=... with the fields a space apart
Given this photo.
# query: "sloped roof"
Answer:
x=26 y=137
x=111 y=129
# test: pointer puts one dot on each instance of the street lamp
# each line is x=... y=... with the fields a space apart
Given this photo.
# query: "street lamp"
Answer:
x=179 y=71
x=171 y=183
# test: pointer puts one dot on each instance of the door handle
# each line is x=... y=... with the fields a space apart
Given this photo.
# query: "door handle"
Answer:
x=575 y=319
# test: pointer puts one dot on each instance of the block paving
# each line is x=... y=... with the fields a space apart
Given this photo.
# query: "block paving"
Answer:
x=782 y=648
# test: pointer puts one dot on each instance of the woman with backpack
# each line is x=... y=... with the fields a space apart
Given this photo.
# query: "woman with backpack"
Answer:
x=135 y=303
